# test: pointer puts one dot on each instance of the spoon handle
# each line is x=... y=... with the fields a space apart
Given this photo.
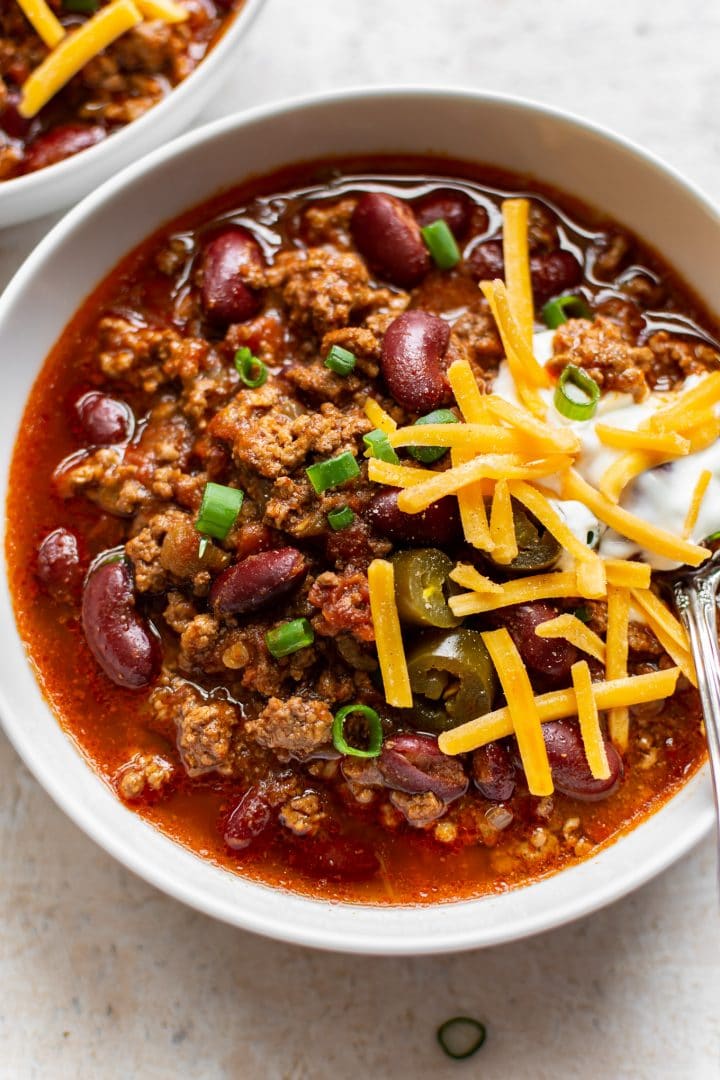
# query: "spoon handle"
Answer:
x=695 y=600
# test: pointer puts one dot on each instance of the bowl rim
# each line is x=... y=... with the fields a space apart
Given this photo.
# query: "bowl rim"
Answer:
x=268 y=924
x=67 y=168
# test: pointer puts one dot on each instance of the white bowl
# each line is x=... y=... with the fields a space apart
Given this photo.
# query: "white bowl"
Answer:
x=603 y=169
x=61 y=185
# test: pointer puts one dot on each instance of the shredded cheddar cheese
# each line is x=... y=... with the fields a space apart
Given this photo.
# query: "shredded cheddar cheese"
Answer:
x=523 y=710
x=576 y=632
x=471 y=502
x=559 y=704
x=378 y=417
x=470 y=578
x=589 y=720
x=502 y=525
x=616 y=654
x=669 y=632
x=402 y=476
x=74 y=52
x=689 y=408
x=696 y=502
x=517 y=591
x=388 y=637
x=659 y=442
x=467 y=392
x=557 y=440
x=43 y=21
x=164 y=10
x=624 y=469
x=626 y=572
x=517 y=265
x=480 y=438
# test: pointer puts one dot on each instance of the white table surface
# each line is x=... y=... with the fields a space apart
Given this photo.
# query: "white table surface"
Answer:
x=102 y=976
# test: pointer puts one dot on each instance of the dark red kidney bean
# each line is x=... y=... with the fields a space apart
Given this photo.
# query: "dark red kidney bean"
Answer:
x=102 y=419
x=11 y=122
x=227 y=262
x=248 y=819
x=552 y=272
x=412 y=360
x=59 y=565
x=60 y=143
x=257 y=580
x=337 y=858
x=415 y=764
x=552 y=657
x=386 y=233
x=453 y=207
x=125 y=645
x=571 y=774
x=438 y=525
x=493 y=772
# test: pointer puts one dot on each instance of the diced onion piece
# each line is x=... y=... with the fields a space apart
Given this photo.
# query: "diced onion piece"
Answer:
x=502 y=525
x=388 y=637
x=517 y=265
x=165 y=10
x=589 y=721
x=559 y=704
x=696 y=502
x=518 y=591
x=74 y=52
x=467 y=392
x=470 y=578
x=471 y=502
x=43 y=21
x=616 y=655
x=523 y=710
x=669 y=632
x=651 y=537
x=658 y=442
x=378 y=417
x=576 y=632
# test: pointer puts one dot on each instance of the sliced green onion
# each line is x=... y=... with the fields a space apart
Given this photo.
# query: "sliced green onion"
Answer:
x=82 y=7
x=289 y=637
x=461 y=1037
x=219 y=509
x=341 y=518
x=583 y=613
x=429 y=454
x=340 y=360
x=712 y=538
x=558 y=311
x=251 y=369
x=441 y=244
x=378 y=446
x=333 y=472
x=374 y=731
x=576 y=394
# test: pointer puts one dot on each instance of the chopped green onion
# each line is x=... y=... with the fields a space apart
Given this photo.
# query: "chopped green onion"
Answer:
x=219 y=510
x=251 y=369
x=341 y=518
x=429 y=454
x=289 y=637
x=576 y=394
x=202 y=546
x=558 y=311
x=333 y=472
x=712 y=537
x=340 y=360
x=583 y=613
x=378 y=446
x=441 y=244
x=461 y=1037
x=374 y=731
x=81 y=7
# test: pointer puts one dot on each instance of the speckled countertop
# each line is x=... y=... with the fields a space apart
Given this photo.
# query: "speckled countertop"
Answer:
x=102 y=976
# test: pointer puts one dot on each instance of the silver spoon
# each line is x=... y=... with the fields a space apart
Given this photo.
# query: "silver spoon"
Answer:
x=695 y=594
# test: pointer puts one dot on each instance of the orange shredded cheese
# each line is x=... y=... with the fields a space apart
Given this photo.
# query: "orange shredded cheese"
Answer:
x=470 y=578
x=688 y=409
x=388 y=637
x=481 y=438
x=523 y=710
x=628 y=573
x=43 y=21
x=467 y=392
x=558 y=704
x=517 y=591
x=74 y=52
x=669 y=632
x=530 y=371
x=164 y=10
x=402 y=476
x=517 y=265
x=378 y=417
x=590 y=729
x=647 y=536
x=624 y=469
x=560 y=440
x=616 y=654
x=576 y=632
x=696 y=502
x=471 y=502
x=658 y=442
x=502 y=525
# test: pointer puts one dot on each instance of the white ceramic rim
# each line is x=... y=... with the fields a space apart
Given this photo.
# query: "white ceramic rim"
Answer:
x=324 y=936
x=74 y=165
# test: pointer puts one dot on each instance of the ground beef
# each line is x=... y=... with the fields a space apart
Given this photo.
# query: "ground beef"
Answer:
x=206 y=727
x=674 y=359
x=166 y=550
x=329 y=223
x=344 y=602
x=303 y=814
x=418 y=810
x=144 y=774
x=641 y=639
x=601 y=349
x=297 y=727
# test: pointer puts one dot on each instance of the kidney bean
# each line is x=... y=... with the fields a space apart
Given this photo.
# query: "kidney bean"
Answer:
x=125 y=645
x=570 y=770
x=59 y=566
x=103 y=420
x=11 y=122
x=444 y=204
x=552 y=272
x=493 y=772
x=60 y=143
x=414 y=763
x=552 y=657
x=248 y=819
x=336 y=857
x=257 y=580
x=230 y=262
x=386 y=233
x=413 y=349
x=438 y=525
x=486 y=260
